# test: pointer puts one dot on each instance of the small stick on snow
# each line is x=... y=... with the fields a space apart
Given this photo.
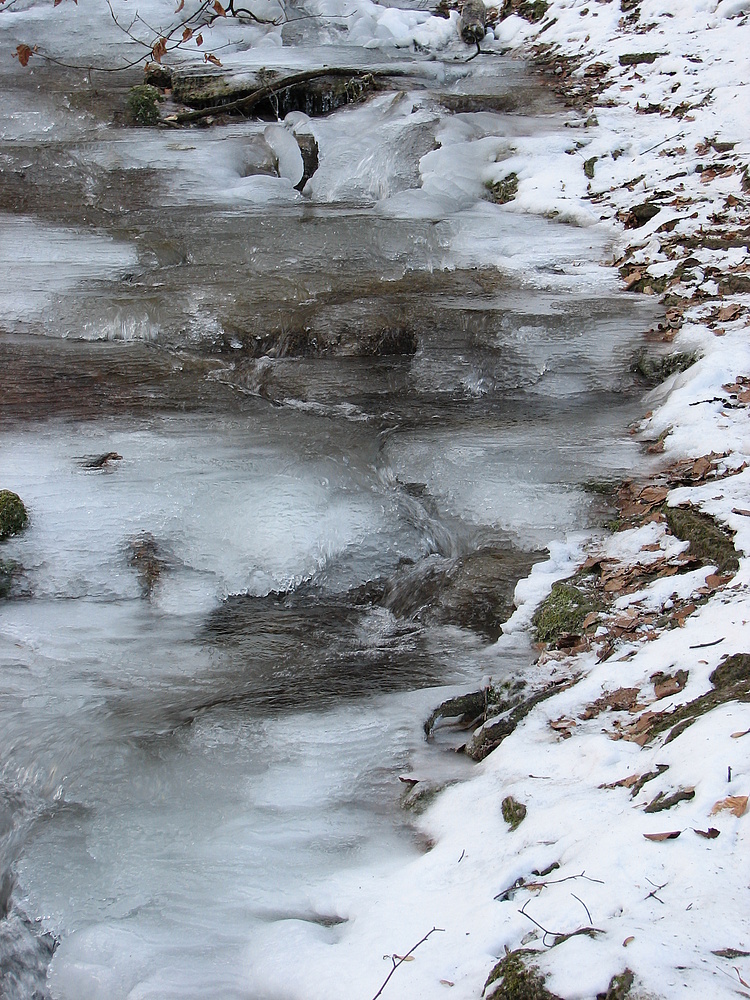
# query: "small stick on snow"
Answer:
x=583 y=905
x=400 y=959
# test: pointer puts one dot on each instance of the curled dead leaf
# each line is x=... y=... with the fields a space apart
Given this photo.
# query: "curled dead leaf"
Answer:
x=658 y=837
x=210 y=57
x=199 y=39
x=159 y=50
x=180 y=5
x=736 y=736
x=735 y=804
x=219 y=9
x=710 y=834
x=187 y=34
x=627 y=941
x=23 y=53
x=728 y=313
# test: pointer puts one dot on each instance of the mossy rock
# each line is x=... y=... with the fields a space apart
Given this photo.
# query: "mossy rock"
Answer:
x=514 y=812
x=505 y=190
x=563 y=612
x=13 y=515
x=708 y=542
x=143 y=104
x=734 y=670
x=656 y=368
x=619 y=987
x=636 y=58
x=517 y=979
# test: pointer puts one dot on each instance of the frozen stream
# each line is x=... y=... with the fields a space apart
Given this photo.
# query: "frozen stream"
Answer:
x=222 y=641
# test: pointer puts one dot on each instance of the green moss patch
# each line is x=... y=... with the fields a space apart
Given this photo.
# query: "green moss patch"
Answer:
x=143 y=104
x=13 y=515
x=514 y=812
x=655 y=368
x=517 y=979
x=563 y=612
x=505 y=190
x=619 y=987
x=708 y=542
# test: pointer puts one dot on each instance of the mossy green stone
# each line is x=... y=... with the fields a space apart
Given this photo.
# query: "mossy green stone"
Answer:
x=563 y=611
x=143 y=104
x=13 y=516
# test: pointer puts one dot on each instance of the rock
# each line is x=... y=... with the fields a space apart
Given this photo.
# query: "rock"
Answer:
x=13 y=515
x=148 y=560
x=473 y=20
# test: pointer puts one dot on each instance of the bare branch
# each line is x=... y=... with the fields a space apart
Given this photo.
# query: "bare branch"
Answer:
x=400 y=960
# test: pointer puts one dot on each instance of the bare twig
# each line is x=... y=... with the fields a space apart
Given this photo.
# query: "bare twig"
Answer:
x=705 y=645
x=399 y=960
x=657 y=888
x=558 y=936
x=583 y=905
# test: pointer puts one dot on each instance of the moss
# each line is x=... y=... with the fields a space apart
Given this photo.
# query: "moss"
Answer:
x=708 y=542
x=734 y=670
x=533 y=10
x=7 y=568
x=143 y=104
x=514 y=812
x=731 y=680
x=505 y=190
x=13 y=515
x=656 y=368
x=563 y=611
x=467 y=706
x=517 y=980
x=619 y=987
x=634 y=58
x=589 y=165
x=492 y=734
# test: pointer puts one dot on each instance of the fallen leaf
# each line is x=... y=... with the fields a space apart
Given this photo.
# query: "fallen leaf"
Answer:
x=658 y=837
x=199 y=39
x=728 y=313
x=627 y=941
x=219 y=9
x=710 y=834
x=404 y=958
x=23 y=53
x=446 y=982
x=210 y=57
x=736 y=736
x=746 y=985
x=180 y=6
x=187 y=34
x=735 y=804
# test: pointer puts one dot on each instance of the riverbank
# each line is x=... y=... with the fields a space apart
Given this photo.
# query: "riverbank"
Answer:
x=625 y=876
x=599 y=852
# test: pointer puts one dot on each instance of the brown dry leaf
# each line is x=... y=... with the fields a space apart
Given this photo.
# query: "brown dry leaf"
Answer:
x=744 y=396
x=180 y=6
x=710 y=834
x=633 y=278
x=210 y=57
x=23 y=53
x=653 y=494
x=653 y=547
x=736 y=736
x=590 y=619
x=658 y=837
x=562 y=723
x=219 y=9
x=627 y=941
x=701 y=467
x=735 y=804
x=159 y=50
x=728 y=313
x=199 y=39
x=187 y=34
x=446 y=982
x=404 y=958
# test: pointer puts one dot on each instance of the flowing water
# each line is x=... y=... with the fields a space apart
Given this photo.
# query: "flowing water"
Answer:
x=285 y=456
